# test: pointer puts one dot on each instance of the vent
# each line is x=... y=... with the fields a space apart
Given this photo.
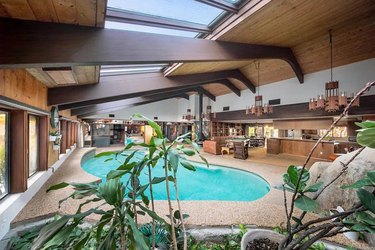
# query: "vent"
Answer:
x=274 y=102
x=226 y=108
x=155 y=118
x=111 y=115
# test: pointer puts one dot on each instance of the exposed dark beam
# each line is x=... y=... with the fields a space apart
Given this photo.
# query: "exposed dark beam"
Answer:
x=230 y=86
x=221 y=4
x=205 y=92
x=28 y=44
x=77 y=109
x=121 y=16
x=118 y=105
x=113 y=88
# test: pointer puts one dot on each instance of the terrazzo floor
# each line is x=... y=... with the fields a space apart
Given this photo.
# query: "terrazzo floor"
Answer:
x=265 y=212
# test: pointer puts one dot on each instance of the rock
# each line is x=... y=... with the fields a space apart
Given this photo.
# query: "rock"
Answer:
x=334 y=196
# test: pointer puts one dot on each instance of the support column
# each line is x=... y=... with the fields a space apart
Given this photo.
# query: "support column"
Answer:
x=18 y=151
x=64 y=132
x=200 y=135
x=43 y=142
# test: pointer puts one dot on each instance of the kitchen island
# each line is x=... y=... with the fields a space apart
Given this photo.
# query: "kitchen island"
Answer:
x=300 y=147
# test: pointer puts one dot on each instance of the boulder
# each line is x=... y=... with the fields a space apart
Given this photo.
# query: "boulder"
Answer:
x=334 y=195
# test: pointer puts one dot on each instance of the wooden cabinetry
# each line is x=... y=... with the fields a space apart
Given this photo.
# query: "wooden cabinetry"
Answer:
x=240 y=150
x=226 y=129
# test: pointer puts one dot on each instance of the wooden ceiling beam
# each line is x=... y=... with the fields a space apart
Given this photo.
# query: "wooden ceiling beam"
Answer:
x=207 y=93
x=113 y=88
x=230 y=86
x=26 y=44
x=118 y=105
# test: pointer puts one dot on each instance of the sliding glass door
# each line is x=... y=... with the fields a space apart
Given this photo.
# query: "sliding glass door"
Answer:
x=33 y=144
x=4 y=166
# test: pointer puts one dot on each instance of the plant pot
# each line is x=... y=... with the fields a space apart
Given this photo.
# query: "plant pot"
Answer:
x=254 y=234
x=56 y=147
x=52 y=138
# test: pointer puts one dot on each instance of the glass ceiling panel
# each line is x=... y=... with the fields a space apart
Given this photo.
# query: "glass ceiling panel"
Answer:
x=149 y=29
x=113 y=70
x=184 y=10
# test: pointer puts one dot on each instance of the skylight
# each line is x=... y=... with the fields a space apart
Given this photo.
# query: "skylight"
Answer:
x=113 y=70
x=183 y=10
x=187 y=18
x=149 y=29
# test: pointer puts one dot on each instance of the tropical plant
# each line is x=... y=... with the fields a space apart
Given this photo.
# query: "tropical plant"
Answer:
x=120 y=203
x=303 y=234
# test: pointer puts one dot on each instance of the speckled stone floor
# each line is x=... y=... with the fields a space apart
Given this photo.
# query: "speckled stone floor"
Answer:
x=265 y=212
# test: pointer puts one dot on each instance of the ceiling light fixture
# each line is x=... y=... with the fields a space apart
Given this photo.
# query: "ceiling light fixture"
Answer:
x=332 y=101
x=258 y=109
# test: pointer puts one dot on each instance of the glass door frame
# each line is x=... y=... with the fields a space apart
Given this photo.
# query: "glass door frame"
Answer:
x=7 y=165
x=38 y=146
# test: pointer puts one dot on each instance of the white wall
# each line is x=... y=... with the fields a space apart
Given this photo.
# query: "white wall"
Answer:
x=352 y=78
x=166 y=110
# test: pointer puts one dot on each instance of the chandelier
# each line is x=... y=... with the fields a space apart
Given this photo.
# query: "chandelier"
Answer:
x=208 y=115
x=332 y=101
x=258 y=109
x=188 y=116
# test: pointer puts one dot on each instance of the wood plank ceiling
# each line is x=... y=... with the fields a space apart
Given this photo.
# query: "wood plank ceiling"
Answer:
x=302 y=25
x=77 y=12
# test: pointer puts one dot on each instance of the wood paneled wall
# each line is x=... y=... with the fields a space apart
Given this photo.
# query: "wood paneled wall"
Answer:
x=21 y=86
x=18 y=151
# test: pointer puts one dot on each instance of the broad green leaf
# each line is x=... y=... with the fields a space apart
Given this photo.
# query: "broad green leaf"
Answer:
x=113 y=174
x=305 y=203
x=173 y=158
x=358 y=184
x=367 y=199
x=61 y=236
x=58 y=186
x=365 y=217
x=127 y=166
x=49 y=231
x=109 y=190
x=188 y=165
x=204 y=160
x=139 y=240
x=371 y=176
x=360 y=227
x=366 y=137
x=157 y=141
x=366 y=124
x=82 y=241
x=109 y=153
x=281 y=187
x=188 y=151
x=157 y=180
x=313 y=188
x=153 y=124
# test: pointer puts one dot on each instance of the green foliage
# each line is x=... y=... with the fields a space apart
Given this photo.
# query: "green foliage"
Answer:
x=290 y=178
x=117 y=203
x=366 y=135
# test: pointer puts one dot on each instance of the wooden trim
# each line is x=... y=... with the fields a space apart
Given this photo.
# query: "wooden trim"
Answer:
x=43 y=142
x=18 y=151
x=62 y=45
x=69 y=135
x=64 y=132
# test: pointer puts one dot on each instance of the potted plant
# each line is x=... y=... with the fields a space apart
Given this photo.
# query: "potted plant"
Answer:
x=301 y=234
x=53 y=135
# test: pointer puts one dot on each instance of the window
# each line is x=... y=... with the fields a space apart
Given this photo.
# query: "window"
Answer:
x=33 y=144
x=4 y=167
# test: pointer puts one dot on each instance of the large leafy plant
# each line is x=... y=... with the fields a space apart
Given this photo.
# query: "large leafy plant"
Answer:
x=302 y=234
x=119 y=204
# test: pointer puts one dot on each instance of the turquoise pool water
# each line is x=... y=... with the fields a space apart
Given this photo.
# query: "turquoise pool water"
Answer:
x=213 y=183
